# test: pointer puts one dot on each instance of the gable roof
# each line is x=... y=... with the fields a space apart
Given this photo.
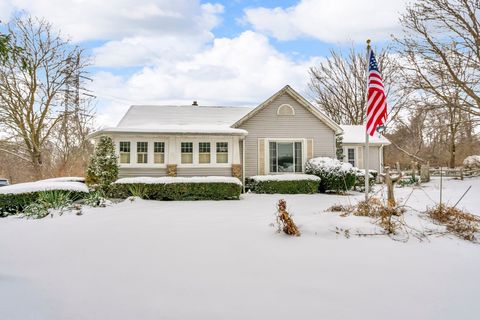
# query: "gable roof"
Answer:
x=355 y=134
x=186 y=119
x=301 y=100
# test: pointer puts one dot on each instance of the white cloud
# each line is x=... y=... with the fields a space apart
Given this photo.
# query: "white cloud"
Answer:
x=240 y=71
x=329 y=20
x=116 y=19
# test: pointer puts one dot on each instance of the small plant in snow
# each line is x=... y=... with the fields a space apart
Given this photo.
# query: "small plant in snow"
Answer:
x=103 y=167
x=36 y=210
x=96 y=198
x=284 y=220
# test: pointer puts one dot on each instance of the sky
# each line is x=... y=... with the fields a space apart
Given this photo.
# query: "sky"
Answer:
x=235 y=53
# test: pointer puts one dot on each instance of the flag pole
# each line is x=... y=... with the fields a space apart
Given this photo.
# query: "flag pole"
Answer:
x=367 y=164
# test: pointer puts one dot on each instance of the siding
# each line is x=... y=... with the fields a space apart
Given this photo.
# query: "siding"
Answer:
x=374 y=156
x=141 y=172
x=303 y=125
x=199 y=172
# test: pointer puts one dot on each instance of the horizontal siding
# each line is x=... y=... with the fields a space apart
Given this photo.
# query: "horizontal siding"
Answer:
x=201 y=172
x=303 y=125
x=374 y=156
x=141 y=172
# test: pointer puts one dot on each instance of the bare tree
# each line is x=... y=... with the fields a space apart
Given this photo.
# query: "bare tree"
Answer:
x=31 y=98
x=339 y=85
x=442 y=37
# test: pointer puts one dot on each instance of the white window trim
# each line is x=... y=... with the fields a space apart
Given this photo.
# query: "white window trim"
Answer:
x=133 y=152
x=267 y=153
x=288 y=106
x=213 y=155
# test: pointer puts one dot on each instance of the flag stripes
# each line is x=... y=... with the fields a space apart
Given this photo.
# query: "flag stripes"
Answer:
x=376 y=100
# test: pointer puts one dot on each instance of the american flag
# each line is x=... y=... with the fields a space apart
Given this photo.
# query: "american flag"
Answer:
x=376 y=100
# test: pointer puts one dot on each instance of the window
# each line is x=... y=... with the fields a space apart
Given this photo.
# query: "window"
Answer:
x=159 y=152
x=187 y=152
x=351 y=156
x=285 y=156
x=222 y=152
x=124 y=152
x=142 y=152
x=204 y=152
x=285 y=110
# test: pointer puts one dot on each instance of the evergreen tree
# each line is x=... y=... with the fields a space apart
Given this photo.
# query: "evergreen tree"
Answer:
x=103 y=167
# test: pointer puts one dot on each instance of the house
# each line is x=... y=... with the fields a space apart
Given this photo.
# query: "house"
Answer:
x=276 y=137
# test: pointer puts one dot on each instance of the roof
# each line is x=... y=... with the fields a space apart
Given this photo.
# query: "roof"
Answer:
x=355 y=134
x=295 y=95
x=180 y=119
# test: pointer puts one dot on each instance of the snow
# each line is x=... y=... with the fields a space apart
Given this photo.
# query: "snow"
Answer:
x=169 y=180
x=64 y=179
x=43 y=185
x=356 y=134
x=329 y=164
x=472 y=162
x=285 y=177
x=222 y=260
x=361 y=172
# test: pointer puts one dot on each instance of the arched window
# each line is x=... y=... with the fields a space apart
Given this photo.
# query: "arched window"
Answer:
x=285 y=110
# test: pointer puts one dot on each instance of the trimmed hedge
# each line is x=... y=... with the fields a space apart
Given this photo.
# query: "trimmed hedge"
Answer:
x=336 y=176
x=177 y=191
x=16 y=203
x=285 y=187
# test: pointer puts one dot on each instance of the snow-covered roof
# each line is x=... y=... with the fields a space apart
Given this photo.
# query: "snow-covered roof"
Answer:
x=356 y=134
x=180 y=119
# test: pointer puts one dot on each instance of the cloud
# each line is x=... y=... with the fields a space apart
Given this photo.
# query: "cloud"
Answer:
x=243 y=70
x=329 y=20
x=117 y=19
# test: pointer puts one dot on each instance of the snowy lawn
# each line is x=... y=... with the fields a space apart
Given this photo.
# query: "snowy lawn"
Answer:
x=223 y=260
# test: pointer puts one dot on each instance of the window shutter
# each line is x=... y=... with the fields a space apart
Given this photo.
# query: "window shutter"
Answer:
x=261 y=156
x=359 y=163
x=309 y=149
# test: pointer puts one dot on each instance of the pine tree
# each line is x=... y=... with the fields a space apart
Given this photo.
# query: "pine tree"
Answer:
x=103 y=167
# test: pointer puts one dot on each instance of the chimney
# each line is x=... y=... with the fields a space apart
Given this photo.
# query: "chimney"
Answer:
x=194 y=103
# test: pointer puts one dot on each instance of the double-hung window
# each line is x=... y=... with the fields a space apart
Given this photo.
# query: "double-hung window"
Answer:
x=222 y=152
x=351 y=156
x=124 y=152
x=285 y=156
x=159 y=152
x=186 y=152
x=204 y=152
x=142 y=152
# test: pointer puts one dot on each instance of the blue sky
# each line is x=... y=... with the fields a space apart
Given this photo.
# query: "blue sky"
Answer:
x=217 y=52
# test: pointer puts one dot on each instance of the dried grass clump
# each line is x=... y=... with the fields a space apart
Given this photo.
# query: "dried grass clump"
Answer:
x=463 y=224
x=387 y=217
x=285 y=221
x=339 y=208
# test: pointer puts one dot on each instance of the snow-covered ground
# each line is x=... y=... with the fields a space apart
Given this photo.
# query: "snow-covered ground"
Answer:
x=224 y=260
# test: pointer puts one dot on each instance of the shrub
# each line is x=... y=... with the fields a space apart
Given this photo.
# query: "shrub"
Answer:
x=335 y=176
x=103 y=167
x=169 y=188
x=284 y=184
x=55 y=199
x=360 y=178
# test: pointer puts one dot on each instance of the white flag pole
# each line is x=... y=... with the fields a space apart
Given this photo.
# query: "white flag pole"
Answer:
x=367 y=163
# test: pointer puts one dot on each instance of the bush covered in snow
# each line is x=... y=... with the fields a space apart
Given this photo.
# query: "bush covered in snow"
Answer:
x=285 y=184
x=103 y=167
x=16 y=197
x=177 y=188
x=360 y=178
x=472 y=162
x=336 y=176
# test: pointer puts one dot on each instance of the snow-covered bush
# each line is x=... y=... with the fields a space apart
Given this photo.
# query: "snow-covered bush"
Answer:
x=472 y=162
x=285 y=184
x=360 y=178
x=16 y=197
x=103 y=167
x=336 y=176
x=177 y=188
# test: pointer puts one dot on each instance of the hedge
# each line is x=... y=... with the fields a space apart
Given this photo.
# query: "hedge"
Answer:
x=336 y=176
x=177 y=191
x=284 y=186
x=16 y=203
